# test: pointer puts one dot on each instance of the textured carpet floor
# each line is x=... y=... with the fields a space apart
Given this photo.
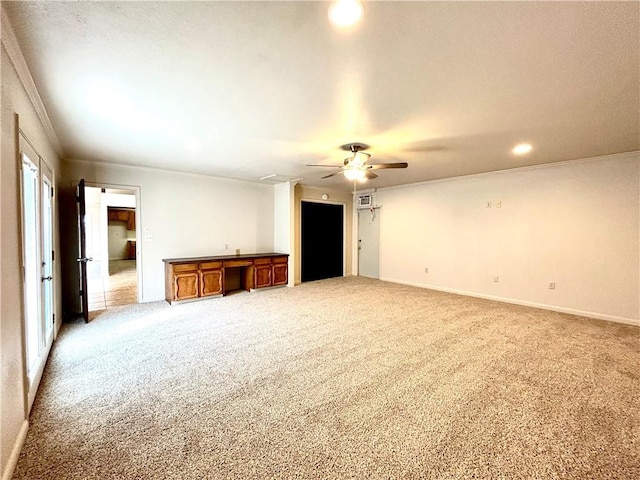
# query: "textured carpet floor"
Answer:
x=340 y=378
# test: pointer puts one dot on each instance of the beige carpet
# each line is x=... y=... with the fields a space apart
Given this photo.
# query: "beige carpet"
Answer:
x=341 y=378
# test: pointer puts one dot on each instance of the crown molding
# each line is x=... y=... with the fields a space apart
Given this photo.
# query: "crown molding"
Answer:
x=632 y=155
x=142 y=168
x=12 y=47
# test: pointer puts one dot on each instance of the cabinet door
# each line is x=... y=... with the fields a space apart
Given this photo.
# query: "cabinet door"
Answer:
x=131 y=220
x=280 y=274
x=132 y=249
x=122 y=215
x=211 y=282
x=262 y=275
x=186 y=285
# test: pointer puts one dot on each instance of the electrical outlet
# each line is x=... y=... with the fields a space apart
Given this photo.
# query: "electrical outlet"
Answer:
x=426 y=270
x=552 y=285
x=496 y=278
x=226 y=246
x=487 y=204
x=148 y=238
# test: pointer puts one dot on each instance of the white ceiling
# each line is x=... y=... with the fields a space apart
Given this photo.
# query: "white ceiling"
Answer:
x=249 y=89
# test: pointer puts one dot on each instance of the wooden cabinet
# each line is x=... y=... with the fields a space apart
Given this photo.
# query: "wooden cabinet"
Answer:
x=262 y=272
x=186 y=281
x=123 y=215
x=131 y=220
x=117 y=214
x=270 y=272
x=193 y=278
x=280 y=271
x=211 y=278
x=131 y=248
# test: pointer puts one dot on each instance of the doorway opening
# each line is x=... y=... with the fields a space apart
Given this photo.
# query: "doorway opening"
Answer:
x=111 y=246
x=322 y=240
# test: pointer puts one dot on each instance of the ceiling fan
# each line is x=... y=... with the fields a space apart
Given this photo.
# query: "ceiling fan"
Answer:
x=355 y=167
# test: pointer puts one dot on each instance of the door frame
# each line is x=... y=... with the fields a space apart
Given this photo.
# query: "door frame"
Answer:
x=139 y=250
x=46 y=335
x=344 y=229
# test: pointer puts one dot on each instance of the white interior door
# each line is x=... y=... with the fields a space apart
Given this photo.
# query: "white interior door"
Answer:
x=369 y=242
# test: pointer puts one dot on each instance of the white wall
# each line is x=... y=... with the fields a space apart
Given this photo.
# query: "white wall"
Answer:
x=126 y=200
x=185 y=215
x=117 y=240
x=284 y=224
x=283 y=199
x=575 y=224
x=15 y=99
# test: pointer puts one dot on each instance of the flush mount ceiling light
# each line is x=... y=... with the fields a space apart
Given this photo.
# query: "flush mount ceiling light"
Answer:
x=345 y=13
x=522 y=149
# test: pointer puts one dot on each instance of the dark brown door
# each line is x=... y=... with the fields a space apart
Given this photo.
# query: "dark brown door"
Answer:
x=82 y=260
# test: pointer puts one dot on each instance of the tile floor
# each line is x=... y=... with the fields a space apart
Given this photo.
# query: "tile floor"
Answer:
x=119 y=288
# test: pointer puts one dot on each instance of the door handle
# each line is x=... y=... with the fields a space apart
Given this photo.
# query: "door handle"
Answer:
x=47 y=278
x=84 y=259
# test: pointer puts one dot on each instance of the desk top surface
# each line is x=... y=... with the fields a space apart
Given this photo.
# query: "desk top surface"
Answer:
x=243 y=256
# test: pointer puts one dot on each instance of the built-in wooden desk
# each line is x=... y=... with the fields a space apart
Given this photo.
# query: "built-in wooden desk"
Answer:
x=202 y=277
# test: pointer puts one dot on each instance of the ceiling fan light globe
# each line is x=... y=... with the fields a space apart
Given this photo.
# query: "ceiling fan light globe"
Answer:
x=354 y=174
x=345 y=13
x=360 y=158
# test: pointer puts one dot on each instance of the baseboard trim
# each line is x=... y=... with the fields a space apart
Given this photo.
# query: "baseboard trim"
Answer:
x=524 y=303
x=15 y=452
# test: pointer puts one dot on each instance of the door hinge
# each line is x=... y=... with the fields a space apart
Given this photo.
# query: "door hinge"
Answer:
x=81 y=293
x=53 y=255
x=54 y=318
x=52 y=192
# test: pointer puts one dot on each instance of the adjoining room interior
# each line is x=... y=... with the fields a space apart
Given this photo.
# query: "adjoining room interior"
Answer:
x=112 y=245
x=465 y=303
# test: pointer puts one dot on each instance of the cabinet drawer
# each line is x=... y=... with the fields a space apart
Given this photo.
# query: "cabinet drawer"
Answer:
x=210 y=265
x=262 y=261
x=279 y=259
x=185 y=267
x=238 y=263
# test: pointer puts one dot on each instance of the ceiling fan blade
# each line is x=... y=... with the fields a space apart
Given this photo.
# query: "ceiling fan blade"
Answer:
x=332 y=174
x=389 y=165
x=330 y=166
x=371 y=175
